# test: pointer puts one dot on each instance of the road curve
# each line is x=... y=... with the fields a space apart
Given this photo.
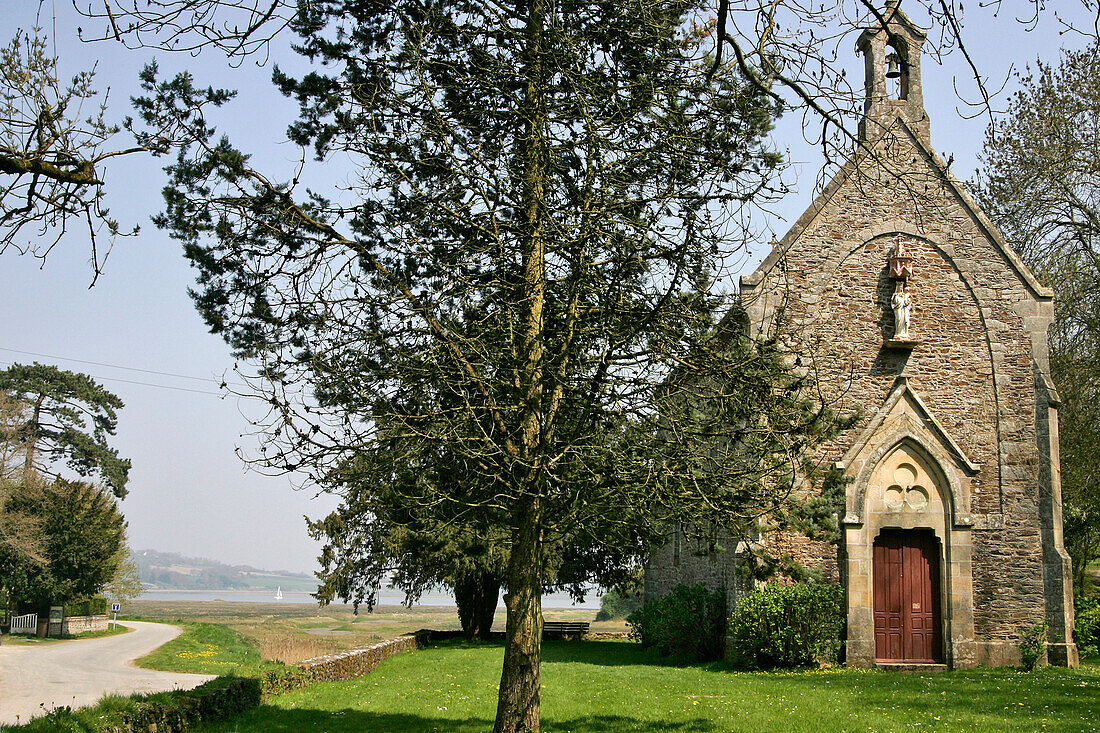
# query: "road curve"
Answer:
x=76 y=673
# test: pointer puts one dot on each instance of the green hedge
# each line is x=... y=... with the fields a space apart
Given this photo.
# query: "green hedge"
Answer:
x=86 y=607
x=787 y=626
x=208 y=702
x=170 y=712
x=1086 y=625
x=689 y=620
x=164 y=712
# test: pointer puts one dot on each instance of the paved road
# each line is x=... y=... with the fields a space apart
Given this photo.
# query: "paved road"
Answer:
x=79 y=672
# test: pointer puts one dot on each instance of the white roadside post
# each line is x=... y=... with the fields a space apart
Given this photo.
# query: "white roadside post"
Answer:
x=114 y=613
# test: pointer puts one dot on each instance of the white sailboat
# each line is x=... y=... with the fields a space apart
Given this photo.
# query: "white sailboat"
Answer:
x=279 y=593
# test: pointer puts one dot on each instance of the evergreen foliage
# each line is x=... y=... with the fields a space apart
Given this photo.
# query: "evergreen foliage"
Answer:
x=787 y=626
x=1086 y=625
x=690 y=620
x=82 y=532
x=93 y=606
x=375 y=535
x=67 y=416
x=487 y=341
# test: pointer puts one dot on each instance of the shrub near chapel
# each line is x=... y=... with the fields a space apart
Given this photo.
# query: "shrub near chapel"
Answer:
x=787 y=626
x=1086 y=625
x=689 y=620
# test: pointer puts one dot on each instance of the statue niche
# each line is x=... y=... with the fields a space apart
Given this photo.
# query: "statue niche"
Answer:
x=902 y=303
x=900 y=271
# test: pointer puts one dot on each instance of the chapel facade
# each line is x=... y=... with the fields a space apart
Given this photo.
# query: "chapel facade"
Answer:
x=921 y=318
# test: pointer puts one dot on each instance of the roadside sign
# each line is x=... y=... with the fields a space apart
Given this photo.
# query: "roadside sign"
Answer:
x=115 y=607
x=55 y=627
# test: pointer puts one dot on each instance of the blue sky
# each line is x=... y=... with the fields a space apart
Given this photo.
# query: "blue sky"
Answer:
x=189 y=492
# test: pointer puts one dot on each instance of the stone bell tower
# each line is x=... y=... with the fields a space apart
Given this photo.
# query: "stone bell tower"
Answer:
x=892 y=54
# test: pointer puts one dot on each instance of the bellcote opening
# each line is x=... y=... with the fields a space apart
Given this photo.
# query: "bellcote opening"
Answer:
x=897 y=69
x=892 y=48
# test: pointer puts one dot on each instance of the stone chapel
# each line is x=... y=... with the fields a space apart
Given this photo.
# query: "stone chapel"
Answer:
x=920 y=316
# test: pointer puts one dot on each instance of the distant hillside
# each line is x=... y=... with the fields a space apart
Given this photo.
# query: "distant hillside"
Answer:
x=172 y=571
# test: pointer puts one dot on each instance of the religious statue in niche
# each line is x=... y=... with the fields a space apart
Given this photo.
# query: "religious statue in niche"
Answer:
x=902 y=303
x=901 y=269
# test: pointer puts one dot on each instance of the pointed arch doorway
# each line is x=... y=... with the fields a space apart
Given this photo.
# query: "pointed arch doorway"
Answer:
x=907 y=613
x=909 y=493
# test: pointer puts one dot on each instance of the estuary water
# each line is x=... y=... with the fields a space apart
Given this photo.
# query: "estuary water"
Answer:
x=386 y=597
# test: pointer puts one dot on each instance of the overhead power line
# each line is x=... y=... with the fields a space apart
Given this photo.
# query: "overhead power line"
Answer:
x=112 y=366
x=144 y=384
x=207 y=380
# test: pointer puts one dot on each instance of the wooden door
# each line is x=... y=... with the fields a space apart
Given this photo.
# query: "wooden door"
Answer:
x=907 y=597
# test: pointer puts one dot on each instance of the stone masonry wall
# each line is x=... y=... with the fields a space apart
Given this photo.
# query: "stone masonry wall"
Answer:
x=81 y=624
x=974 y=317
x=685 y=559
x=358 y=662
x=968 y=392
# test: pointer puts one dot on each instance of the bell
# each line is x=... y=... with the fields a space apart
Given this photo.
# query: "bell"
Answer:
x=893 y=66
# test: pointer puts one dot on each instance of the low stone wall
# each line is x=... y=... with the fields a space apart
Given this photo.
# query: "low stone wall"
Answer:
x=357 y=662
x=80 y=624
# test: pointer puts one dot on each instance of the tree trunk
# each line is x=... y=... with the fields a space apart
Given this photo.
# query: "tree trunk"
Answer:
x=476 y=595
x=518 y=701
x=32 y=440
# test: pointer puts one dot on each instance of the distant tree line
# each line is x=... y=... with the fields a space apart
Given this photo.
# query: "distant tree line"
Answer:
x=173 y=570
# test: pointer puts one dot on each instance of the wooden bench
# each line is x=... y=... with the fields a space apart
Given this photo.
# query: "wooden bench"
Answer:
x=564 y=629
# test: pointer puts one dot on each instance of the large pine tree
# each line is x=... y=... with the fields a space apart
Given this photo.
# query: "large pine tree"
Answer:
x=62 y=416
x=502 y=316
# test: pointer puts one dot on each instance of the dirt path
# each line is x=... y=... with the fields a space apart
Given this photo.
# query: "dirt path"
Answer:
x=37 y=678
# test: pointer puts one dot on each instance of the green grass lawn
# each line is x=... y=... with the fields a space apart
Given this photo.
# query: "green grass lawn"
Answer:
x=293 y=632
x=209 y=649
x=599 y=687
